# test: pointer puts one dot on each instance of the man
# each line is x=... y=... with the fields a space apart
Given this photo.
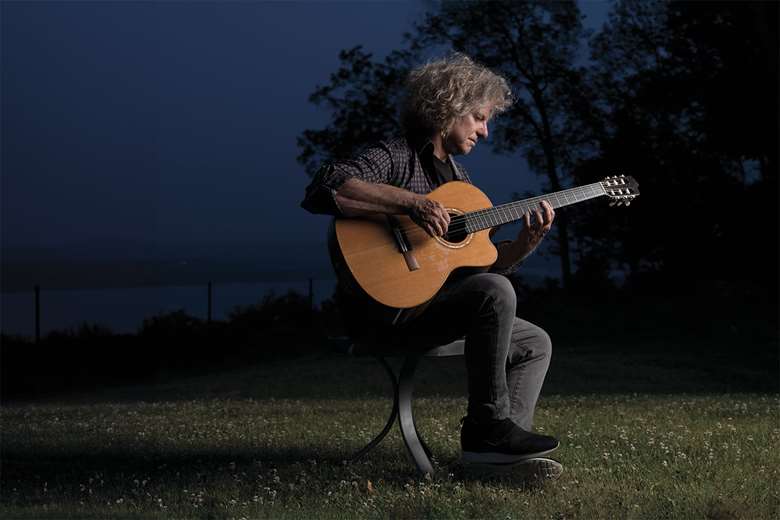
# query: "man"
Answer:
x=448 y=105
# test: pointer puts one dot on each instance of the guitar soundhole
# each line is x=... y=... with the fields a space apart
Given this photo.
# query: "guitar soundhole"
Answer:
x=456 y=233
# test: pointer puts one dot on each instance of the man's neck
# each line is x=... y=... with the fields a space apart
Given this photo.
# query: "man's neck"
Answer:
x=438 y=147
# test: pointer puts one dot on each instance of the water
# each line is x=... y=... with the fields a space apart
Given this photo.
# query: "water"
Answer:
x=123 y=310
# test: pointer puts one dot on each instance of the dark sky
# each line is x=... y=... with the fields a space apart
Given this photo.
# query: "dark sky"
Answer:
x=176 y=122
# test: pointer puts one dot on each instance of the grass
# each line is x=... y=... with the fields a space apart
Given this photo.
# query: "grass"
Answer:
x=644 y=435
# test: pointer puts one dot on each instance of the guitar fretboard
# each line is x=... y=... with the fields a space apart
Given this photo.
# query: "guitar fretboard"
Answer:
x=512 y=211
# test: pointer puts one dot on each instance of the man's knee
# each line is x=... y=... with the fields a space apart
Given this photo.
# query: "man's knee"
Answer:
x=545 y=343
x=499 y=292
x=542 y=343
x=531 y=341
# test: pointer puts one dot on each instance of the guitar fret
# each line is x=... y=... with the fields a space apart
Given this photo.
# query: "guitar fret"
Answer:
x=516 y=210
x=506 y=215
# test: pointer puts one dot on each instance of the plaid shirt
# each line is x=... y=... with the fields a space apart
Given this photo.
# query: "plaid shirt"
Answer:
x=398 y=162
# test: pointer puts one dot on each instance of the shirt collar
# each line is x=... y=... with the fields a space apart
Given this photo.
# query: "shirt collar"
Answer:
x=423 y=146
x=420 y=143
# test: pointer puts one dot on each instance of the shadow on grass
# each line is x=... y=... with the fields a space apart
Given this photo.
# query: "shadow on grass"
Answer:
x=123 y=466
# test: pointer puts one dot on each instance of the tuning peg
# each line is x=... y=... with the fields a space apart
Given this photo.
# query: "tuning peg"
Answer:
x=628 y=203
x=612 y=203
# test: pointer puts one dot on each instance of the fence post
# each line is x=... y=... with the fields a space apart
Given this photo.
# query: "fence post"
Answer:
x=37 y=314
x=209 y=307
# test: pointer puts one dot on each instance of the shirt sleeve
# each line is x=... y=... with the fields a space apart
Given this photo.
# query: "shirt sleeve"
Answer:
x=509 y=269
x=374 y=164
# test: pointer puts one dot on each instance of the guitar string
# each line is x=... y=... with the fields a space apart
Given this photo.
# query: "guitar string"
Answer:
x=461 y=220
x=488 y=214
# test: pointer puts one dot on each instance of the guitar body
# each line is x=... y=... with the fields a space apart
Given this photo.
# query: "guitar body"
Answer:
x=397 y=264
x=373 y=252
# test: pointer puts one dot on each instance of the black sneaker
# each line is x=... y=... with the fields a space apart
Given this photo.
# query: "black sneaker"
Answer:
x=536 y=470
x=501 y=442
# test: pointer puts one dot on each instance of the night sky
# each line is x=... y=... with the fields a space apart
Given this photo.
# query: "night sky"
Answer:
x=176 y=122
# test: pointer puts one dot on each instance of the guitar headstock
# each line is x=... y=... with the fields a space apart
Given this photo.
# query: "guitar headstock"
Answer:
x=622 y=189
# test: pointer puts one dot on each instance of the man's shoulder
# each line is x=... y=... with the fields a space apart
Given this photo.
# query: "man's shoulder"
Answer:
x=394 y=146
x=397 y=144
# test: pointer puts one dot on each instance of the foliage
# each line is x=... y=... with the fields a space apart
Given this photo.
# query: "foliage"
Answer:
x=673 y=86
x=681 y=95
x=533 y=44
x=166 y=345
x=363 y=97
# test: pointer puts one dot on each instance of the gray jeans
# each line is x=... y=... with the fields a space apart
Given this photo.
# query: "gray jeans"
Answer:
x=506 y=357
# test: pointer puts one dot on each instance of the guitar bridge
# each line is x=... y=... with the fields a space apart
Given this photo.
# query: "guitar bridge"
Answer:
x=404 y=247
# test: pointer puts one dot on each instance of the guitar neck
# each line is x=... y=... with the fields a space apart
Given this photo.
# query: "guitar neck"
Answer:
x=512 y=211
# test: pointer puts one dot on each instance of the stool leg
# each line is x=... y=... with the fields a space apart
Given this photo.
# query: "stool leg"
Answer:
x=422 y=442
x=393 y=414
x=406 y=418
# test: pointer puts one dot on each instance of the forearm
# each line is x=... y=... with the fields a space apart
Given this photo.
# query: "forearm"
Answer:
x=510 y=253
x=356 y=198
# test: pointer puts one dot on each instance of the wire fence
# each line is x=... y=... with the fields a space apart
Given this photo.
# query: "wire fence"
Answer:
x=39 y=311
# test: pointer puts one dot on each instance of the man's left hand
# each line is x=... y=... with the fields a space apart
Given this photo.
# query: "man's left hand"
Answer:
x=533 y=232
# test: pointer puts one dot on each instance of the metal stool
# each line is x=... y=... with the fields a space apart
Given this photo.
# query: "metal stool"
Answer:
x=403 y=385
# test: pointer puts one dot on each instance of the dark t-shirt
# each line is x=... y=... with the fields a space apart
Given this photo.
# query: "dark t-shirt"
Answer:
x=443 y=170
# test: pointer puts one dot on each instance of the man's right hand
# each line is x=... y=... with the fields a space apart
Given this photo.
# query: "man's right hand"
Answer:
x=430 y=215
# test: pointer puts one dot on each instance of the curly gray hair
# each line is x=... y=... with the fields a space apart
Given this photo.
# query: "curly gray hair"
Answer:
x=442 y=91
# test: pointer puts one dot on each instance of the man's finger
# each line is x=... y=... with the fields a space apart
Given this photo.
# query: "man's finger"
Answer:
x=548 y=212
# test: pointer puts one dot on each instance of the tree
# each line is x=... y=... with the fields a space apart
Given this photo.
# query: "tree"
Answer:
x=688 y=96
x=534 y=44
x=363 y=97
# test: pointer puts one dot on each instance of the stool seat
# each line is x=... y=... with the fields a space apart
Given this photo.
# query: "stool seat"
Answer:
x=403 y=385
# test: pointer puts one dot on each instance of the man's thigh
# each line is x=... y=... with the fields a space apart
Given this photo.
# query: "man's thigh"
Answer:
x=453 y=311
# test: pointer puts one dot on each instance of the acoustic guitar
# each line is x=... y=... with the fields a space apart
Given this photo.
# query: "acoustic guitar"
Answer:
x=399 y=265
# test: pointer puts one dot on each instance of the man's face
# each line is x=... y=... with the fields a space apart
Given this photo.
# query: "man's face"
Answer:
x=467 y=131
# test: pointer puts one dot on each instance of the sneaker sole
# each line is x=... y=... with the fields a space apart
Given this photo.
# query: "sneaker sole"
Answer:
x=530 y=471
x=475 y=457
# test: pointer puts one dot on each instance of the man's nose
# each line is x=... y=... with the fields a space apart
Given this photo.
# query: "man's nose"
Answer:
x=482 y=131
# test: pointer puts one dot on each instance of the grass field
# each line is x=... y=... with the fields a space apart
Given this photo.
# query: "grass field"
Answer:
x=644 y=435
